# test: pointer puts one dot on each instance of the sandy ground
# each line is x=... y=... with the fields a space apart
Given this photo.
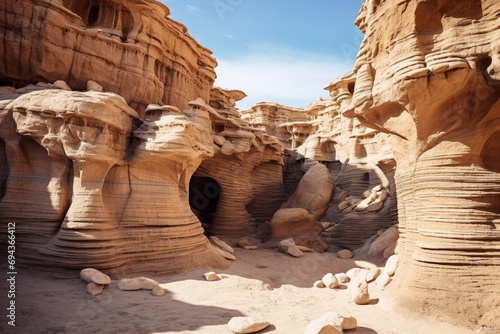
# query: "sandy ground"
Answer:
x=262 y=283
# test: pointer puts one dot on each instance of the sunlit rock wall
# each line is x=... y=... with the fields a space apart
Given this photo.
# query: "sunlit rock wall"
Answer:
x=428 y=74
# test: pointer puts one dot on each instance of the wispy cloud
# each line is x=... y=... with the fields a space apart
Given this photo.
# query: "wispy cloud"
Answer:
x=280 y=74
x=194 y=10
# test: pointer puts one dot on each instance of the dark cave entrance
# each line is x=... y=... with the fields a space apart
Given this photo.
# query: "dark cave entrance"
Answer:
x=204 y=194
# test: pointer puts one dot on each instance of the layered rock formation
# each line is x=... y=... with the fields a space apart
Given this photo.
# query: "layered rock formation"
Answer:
x=131 y=48
x=82 y=195
x=428 y=75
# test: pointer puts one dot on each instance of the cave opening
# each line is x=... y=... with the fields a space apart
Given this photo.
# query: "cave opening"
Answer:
x=93 y=14
x=204 y=194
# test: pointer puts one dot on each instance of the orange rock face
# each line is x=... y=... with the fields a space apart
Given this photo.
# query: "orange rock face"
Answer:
x=428 y=75
x=128 y=47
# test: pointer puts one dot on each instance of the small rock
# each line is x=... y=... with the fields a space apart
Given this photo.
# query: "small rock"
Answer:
x=295 y=251
x=342 y=278
x=319 y=284
x=138 y=283
x=226 y=255
x=361 y=296
x=373 y=274
x=383 y=280
x=95 y=289
x=331 y=228
x=342 y=196
x=7 y=90
x=375 y=206
x=325 y=225
x=344 y=254
x=211 y=276
x=356 y=274
x=284 y=244
x=221 y=244
x=363 y=204
x=377 y=188
x=382 y=195
x=158 y=291
x=94 y=275
x=390 y=250
x=329 y=323
x=94 y=86
x=343 y=205
x=251 y=247
x=367 y=193
x=243 y=243
x=391 y=265
x=348 y=323
x=305 y=249
x=330 y=281
x=349 y=209
x=62 y=85
x=242 y=325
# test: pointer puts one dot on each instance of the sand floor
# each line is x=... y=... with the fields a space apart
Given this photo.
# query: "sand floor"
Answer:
x=262 y=283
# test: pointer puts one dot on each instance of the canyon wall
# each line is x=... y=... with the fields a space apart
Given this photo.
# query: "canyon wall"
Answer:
x=114 y=164
x=428 y=74
x=131 y=48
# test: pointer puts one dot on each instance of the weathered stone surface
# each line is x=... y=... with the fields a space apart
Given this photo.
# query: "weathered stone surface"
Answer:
x=391 y=265
x=344 y=254
x=221 y=244
x=330 y=323
x=93 y=275
x=211 y=276
x=158 y=291
x=435 y=90
x=330 y=281
x=314 y=192
x=242 y=325
x=138 y=283
x=291 y=222
x=95 y=289
x=386 y=239
x=66 y=37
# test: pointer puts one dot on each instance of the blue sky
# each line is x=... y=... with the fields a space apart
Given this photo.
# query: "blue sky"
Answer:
x=284 y=51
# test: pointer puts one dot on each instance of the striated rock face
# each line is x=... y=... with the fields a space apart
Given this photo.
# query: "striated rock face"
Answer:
x=128 y=47
x=247 y=166
x=428 y=74
x=82 y=194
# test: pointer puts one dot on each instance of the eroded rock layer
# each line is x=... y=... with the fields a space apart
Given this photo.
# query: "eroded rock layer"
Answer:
x=428 y=74
x=83 y=196
x=131 y=48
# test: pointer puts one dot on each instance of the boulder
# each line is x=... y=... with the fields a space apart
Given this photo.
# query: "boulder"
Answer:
x=291 y=222
x=92 y=85
x=360 y=294
x=386 y=239
x=331 y=322
x=314 y=192
x=373 y=274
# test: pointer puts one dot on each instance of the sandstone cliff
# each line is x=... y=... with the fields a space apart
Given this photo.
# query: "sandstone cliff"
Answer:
x=131 y=48
x=428 y=74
